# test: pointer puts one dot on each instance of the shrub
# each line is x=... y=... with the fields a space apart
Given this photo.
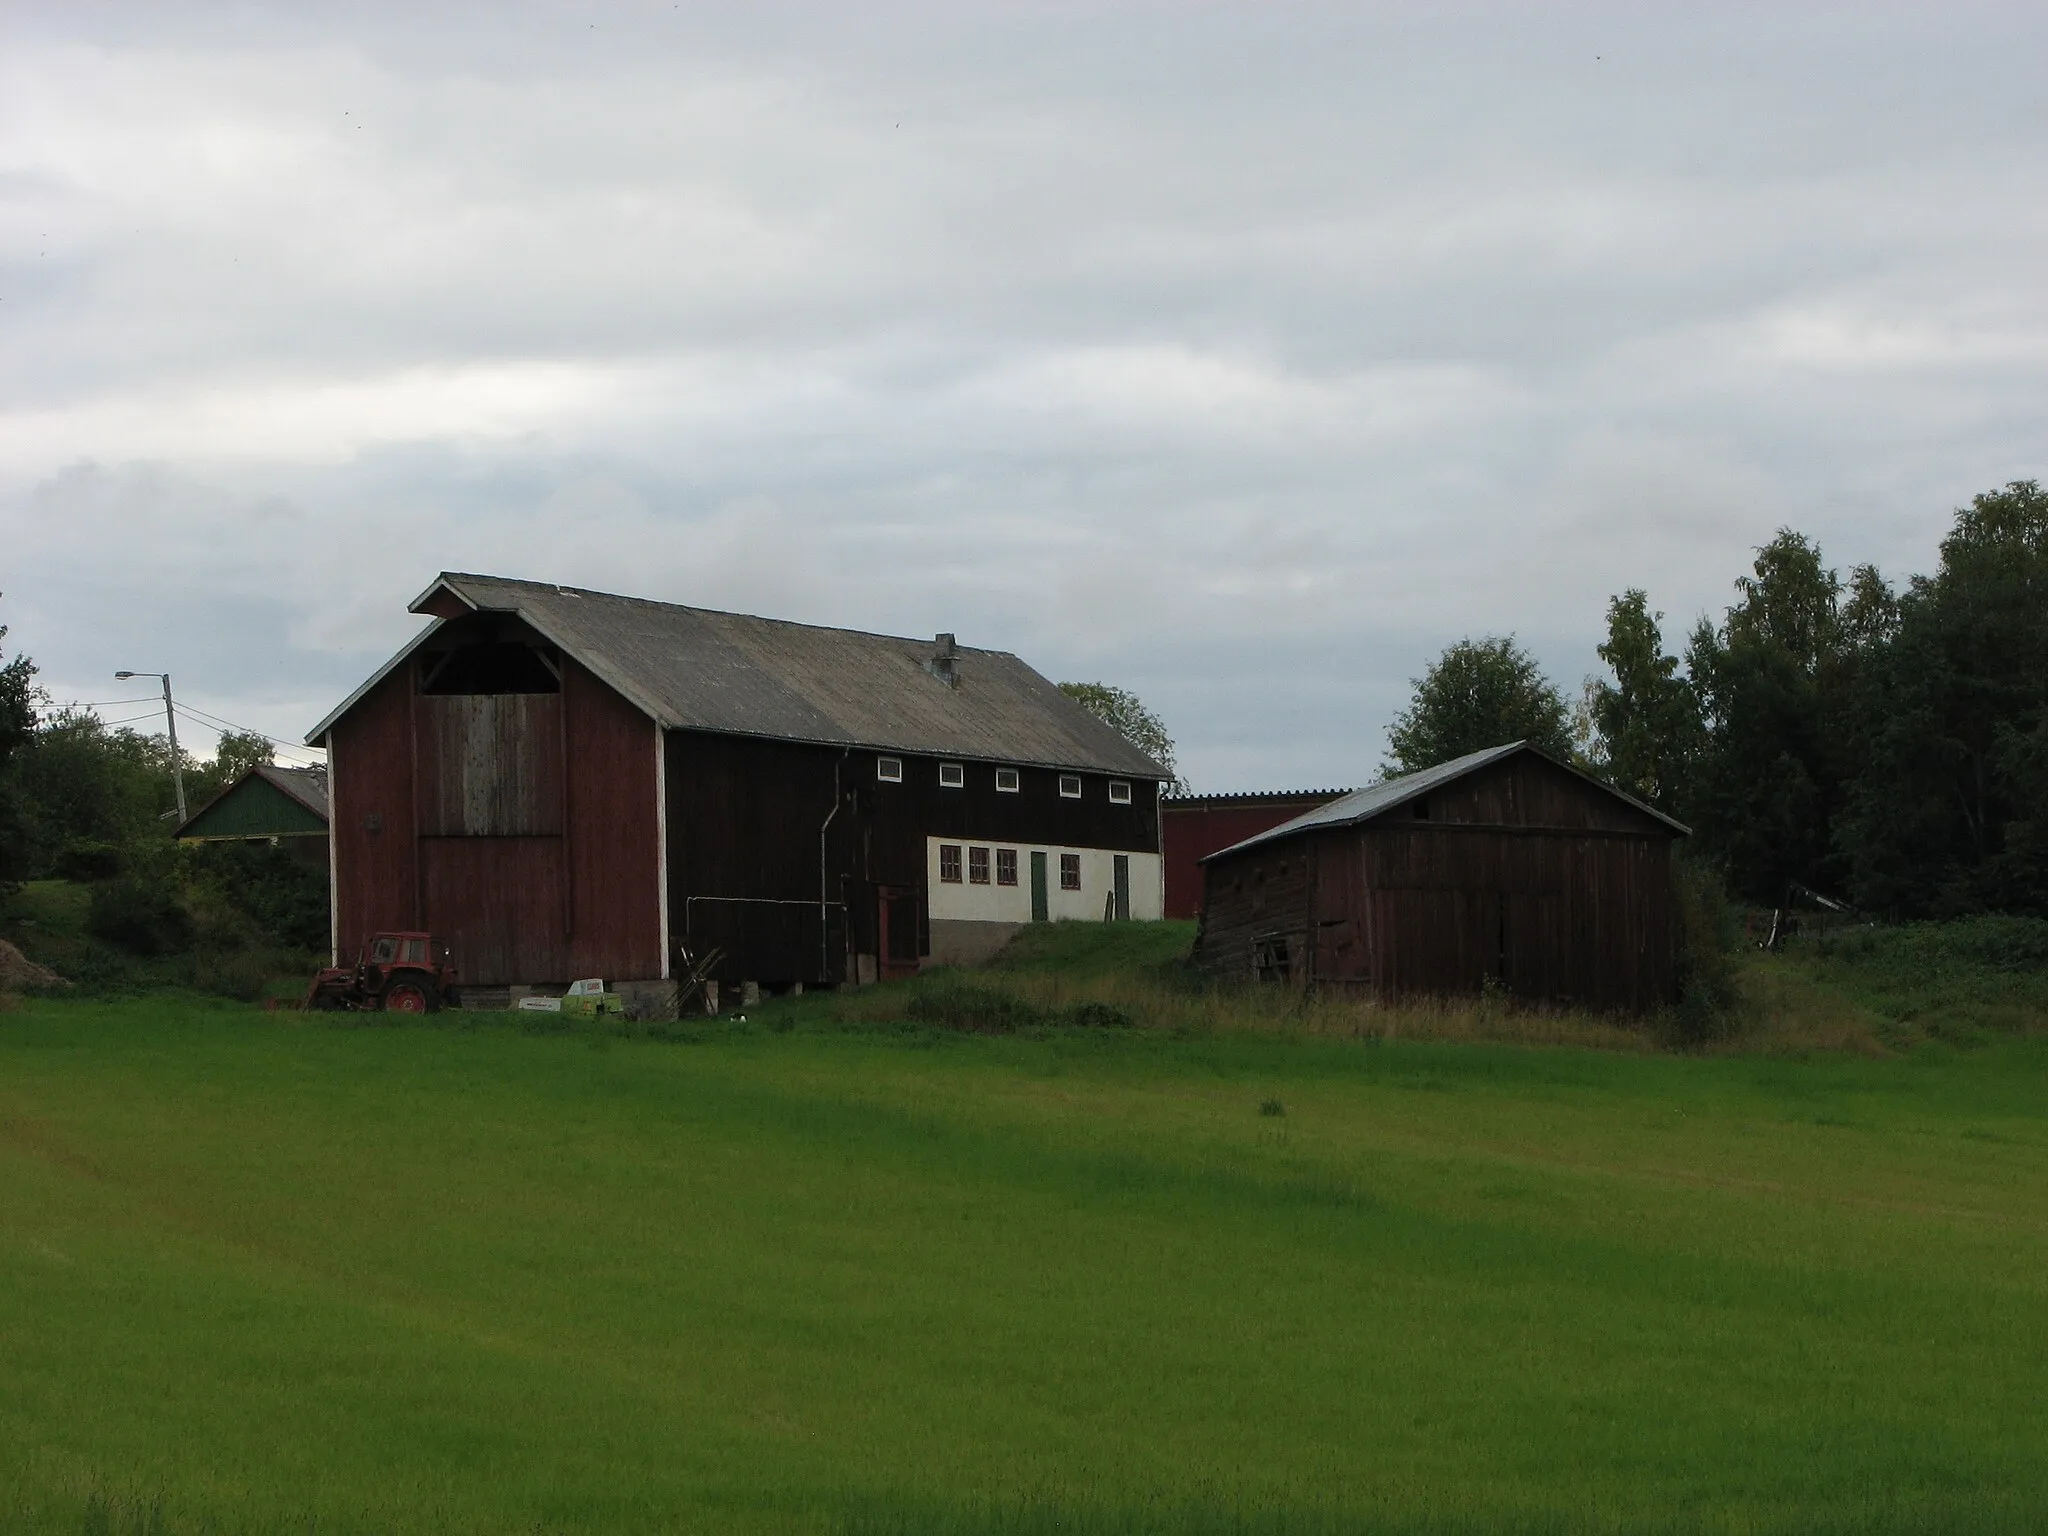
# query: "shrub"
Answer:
x=140 y=912
x=83 y=859
x=282 y=899
x=1706 y=962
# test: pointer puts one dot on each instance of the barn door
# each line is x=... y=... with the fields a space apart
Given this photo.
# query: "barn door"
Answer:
x=1122 y=866
x=1041 y=905
x=896 y=924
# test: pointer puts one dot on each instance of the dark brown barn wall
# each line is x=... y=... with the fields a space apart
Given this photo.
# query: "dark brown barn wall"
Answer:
x=1263 y=893
x=1528 y=791
x=1559 y=916
x=374 y=844
x=1521 y=872
x=743 y=825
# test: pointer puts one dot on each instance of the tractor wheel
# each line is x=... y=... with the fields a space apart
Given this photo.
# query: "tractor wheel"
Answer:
x=408 y=997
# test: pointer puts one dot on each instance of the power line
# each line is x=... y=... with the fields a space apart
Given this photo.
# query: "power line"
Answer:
x=216 y=723
x=110 y=703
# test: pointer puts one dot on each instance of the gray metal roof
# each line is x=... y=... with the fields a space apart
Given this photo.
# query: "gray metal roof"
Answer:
x=1377 y=799
x=699 y=669
x=308 y=785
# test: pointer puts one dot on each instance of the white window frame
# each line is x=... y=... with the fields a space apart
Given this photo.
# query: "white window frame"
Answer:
x=1119 y=791
x=889 y=769
x=1009 y=781
x=952 y=775
x=1070 y=786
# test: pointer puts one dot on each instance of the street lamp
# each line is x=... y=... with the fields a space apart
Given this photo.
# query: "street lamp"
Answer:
x=171 y=721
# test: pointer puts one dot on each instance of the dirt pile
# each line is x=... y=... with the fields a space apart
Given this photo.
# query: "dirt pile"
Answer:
x=17 y=970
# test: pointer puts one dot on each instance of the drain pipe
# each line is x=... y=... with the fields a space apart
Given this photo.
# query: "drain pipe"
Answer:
x=824 y=926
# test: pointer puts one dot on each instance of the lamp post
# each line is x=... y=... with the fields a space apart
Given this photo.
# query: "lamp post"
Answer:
x=171 y=723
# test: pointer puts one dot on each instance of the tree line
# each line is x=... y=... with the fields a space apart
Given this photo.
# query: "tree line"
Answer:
x=1889 y=745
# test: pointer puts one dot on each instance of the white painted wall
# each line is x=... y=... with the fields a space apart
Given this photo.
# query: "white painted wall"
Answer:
x=994 y=903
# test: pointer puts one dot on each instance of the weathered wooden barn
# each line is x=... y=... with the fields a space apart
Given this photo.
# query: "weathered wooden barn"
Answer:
x=567 y=783
x=286 y=807
x=1504 y=866
x=1194 y=826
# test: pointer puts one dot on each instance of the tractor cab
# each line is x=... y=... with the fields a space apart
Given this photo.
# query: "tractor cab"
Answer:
x=396 y=973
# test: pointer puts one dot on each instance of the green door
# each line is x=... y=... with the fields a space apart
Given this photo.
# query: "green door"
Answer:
x=1123 y=888
x=1040 y=910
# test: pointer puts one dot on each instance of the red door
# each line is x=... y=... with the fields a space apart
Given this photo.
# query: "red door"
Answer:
x=896 y=924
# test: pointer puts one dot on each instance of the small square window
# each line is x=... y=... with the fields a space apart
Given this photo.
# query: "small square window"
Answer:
x=949 y=863
x=1006 y=866
x=952 y=776
x=1070 y=871
x=977 y=866
x=1070 y=786
x=889 y=769
x=1119 y=792
x=1006 y=781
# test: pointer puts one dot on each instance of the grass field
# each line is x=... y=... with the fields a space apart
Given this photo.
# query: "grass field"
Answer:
x=259 y=1272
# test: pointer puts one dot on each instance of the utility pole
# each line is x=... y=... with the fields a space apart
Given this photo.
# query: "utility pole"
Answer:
x=171 y=724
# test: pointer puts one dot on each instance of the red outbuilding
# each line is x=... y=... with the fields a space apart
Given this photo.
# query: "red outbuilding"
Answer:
x=1194 y=826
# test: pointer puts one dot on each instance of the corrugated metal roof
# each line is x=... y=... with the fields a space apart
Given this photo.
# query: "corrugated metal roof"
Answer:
x=1246 y=797
x=700 y=669
x=1377 y=799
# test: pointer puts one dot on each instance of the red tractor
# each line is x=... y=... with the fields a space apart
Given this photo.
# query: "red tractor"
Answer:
x=397 y=972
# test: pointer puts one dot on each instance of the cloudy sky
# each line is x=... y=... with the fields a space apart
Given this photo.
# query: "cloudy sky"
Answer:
x=1244 y=355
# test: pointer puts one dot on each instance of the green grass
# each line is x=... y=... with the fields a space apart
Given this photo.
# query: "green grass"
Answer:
x=261 y=1272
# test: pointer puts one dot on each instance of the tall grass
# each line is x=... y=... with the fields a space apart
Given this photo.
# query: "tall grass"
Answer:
x=1866 y=990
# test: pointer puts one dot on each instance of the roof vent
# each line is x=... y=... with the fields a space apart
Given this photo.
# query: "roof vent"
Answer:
x=945 y=662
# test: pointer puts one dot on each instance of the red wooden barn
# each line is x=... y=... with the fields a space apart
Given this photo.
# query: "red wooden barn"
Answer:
x=1192 y=827
x=1505 y=867
x=567 y=783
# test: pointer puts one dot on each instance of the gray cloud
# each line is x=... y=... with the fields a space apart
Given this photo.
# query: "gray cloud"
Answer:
x=1245 y=356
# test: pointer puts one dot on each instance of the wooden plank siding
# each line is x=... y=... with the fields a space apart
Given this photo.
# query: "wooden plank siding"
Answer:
x=521 y=828
x=1520 y=874
x=1263 y=895
x=490 y=764
x=613 y=833
x=374 y=838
